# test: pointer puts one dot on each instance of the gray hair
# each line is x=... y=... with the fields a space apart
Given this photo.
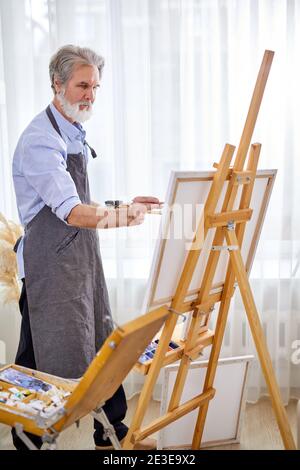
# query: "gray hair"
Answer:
x=63 y=61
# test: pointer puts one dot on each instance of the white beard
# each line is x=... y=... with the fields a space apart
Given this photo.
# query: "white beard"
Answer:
x=73 y=111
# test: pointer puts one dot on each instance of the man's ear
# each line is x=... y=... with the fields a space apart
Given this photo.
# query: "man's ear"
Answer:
x=57 y=85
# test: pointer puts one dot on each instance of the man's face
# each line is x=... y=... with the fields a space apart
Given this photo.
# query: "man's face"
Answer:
x=79 y=93
x=83 y=85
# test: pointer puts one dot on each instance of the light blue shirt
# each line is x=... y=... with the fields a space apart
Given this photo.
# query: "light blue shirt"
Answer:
x=40 y=169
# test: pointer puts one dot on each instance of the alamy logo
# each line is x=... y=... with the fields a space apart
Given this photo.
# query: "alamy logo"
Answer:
x=295 y=357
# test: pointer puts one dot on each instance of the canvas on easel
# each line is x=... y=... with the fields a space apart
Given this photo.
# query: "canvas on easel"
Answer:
x=191 y=189
x=220 y=230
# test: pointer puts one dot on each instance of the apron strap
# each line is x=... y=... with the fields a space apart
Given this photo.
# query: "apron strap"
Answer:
x=52 y=120
x=55 y=125
x=94 y=155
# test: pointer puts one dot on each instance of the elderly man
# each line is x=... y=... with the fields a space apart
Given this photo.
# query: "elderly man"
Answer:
x=64 y=302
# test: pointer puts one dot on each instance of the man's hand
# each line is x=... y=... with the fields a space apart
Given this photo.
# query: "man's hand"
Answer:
x=130 y=215
x=88 y=216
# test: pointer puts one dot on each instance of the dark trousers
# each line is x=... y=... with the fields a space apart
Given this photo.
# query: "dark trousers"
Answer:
x=115 y=408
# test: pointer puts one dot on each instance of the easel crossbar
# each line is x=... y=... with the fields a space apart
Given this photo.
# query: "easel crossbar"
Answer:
x=222 y=219
x=171 y=416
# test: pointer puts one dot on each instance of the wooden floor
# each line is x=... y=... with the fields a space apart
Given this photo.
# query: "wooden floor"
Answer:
x=259 y=428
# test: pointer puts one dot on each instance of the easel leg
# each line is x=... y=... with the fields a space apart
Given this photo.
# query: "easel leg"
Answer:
x=228 y=286
x=184 y=367
x=260 y=343
x=109 y=431
x=20 y=433
x=49 y=440
x=189 y=267
x=151 y=379
x=212 y=365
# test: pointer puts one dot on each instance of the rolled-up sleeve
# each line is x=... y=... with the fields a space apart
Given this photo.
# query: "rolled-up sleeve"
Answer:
x=45 y=169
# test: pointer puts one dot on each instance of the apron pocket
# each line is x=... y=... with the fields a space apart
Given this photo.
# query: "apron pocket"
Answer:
x=67 y=241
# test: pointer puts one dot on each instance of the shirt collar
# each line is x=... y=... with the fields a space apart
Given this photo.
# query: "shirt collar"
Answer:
x=72 y=131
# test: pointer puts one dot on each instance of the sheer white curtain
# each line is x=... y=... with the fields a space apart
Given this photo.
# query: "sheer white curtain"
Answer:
x=177 y=85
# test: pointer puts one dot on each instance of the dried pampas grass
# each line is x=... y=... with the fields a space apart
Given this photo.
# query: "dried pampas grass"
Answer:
x=9 y=284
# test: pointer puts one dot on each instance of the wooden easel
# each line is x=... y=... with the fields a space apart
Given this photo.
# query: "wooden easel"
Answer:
x=230 y=226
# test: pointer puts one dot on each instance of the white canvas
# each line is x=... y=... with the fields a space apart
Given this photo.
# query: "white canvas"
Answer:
x=225 y=412
x=169 y=255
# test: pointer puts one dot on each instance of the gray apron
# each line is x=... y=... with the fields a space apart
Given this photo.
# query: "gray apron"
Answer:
x=68 y=302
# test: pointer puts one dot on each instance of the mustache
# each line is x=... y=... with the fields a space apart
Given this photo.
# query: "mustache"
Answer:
x=84 y=103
